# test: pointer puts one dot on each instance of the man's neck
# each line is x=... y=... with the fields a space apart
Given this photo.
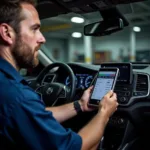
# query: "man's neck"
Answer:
x=6 y=54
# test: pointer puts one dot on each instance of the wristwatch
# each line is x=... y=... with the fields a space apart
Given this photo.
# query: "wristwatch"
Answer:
x=77 y=107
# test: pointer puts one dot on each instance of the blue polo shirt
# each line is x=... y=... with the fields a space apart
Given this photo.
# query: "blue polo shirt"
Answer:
x=24 y=122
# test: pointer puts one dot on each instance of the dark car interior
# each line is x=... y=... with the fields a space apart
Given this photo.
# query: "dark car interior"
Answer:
x=60 y=83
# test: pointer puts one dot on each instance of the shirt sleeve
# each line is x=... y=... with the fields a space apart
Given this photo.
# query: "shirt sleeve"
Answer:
x=36 y=129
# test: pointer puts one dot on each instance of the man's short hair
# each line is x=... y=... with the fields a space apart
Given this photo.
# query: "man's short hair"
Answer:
x=10 y=12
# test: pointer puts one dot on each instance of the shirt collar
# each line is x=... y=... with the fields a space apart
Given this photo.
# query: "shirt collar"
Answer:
x=9 y=70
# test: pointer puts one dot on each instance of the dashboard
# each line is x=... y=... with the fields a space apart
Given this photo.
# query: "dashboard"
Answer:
x=83 y=76
x=83 y=80
x=132 y=85
x=133 y=95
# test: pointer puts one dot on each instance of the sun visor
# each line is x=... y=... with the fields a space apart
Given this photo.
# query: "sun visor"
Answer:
x=47 y=8
x=50 y=8
x=86 y=6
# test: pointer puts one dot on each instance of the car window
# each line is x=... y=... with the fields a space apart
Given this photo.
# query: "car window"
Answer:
x=130 y=44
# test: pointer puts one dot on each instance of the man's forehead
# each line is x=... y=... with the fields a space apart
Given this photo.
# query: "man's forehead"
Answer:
x=29 y=11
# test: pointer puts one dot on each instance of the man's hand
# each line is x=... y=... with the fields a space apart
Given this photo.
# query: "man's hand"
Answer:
x=85 y=99
x=108 y=104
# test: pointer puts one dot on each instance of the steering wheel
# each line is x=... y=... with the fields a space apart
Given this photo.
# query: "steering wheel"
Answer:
x=51 y=92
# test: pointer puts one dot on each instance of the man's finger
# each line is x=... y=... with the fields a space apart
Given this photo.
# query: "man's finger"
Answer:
x=90 y=88
x=114 y=95
x=109 y=94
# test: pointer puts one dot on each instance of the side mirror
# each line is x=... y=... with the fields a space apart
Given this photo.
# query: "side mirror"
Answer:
x=104 y=27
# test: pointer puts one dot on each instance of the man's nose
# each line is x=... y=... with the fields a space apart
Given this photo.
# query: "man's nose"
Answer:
x=42 y=39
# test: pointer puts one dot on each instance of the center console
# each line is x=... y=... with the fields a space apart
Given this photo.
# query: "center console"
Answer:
x=124 y=84
x=128 y=90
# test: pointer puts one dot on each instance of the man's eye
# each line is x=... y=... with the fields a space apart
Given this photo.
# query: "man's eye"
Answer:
x=35 y=29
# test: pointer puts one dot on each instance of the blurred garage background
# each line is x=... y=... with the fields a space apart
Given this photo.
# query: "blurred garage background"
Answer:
x=66 y=41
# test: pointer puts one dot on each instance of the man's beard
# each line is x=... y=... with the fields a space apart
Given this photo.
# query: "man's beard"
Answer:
x=24 y=55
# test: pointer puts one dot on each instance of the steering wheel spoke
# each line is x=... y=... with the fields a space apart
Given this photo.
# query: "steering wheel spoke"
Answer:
x=53 y=91
x=63 y=93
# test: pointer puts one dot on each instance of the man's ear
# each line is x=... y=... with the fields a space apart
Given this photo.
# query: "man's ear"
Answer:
x=7 y=33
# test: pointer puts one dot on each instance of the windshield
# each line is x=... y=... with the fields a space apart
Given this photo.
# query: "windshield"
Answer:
x=67 y=43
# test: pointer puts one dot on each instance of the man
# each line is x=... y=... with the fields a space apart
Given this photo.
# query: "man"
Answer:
x=25 y=123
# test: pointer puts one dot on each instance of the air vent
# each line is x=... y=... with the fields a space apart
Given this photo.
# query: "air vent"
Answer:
x=142 y=83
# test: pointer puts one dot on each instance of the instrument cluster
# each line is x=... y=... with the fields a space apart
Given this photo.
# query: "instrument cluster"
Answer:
x=83 y=81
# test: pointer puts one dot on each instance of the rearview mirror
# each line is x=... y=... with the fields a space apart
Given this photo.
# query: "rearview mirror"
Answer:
x=104 y=27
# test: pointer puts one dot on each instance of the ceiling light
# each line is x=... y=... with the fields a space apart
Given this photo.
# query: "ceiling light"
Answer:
x=136 y=29
x=76 y=35
x=77 y=20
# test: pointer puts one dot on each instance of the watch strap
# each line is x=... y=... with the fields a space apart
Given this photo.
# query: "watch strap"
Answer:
x=77 y=107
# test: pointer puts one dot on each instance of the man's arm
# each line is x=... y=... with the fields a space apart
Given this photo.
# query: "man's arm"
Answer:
x=67 y=111
x=64 y=112
x=92 y=133
x=41 y=128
